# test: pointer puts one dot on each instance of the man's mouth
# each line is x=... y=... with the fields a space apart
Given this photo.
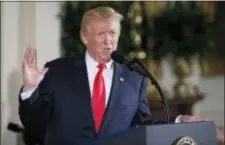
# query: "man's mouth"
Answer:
x=107 y=50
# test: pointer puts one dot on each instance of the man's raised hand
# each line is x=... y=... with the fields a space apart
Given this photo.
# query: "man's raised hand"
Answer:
x=32 y=76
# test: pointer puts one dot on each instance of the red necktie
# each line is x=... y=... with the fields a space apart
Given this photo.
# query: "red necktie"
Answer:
x=98 y=98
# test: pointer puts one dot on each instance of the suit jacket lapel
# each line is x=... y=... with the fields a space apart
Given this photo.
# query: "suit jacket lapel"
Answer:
x=81 y=81
x=81 y=74
x=115 y=95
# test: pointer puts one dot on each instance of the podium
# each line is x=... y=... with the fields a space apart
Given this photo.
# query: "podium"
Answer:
x=198 y=133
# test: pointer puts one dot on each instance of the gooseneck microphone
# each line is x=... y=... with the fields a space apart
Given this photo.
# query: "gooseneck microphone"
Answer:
x=136 y=65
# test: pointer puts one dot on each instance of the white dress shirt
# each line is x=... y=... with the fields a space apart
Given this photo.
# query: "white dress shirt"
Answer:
x=92 y=69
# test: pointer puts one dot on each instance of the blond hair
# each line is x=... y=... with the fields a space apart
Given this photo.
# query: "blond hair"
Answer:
x=99 y=13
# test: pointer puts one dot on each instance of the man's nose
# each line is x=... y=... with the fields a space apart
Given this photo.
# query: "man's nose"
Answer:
x=107 y=39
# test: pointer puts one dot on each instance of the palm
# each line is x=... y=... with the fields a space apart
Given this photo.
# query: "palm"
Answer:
x=31 y=75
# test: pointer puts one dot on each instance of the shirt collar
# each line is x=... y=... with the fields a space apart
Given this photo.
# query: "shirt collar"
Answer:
x=90 y=61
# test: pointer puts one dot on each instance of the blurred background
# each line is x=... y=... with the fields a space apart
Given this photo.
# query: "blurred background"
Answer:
x=181 y=43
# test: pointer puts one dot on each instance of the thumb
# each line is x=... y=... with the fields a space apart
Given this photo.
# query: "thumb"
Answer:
x=44 y=70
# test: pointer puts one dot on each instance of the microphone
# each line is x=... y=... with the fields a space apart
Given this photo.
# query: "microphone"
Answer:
x=132 y=65
x=136 y=65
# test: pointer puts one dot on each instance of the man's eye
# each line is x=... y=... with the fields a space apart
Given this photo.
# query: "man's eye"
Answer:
x=101 y=33
x=112 y=32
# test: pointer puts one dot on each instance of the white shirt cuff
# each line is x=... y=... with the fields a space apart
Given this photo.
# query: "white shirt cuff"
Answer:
x=25 y=95
x=179 y=119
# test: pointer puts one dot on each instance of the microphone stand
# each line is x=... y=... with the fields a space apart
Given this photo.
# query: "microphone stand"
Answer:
x=133 y=65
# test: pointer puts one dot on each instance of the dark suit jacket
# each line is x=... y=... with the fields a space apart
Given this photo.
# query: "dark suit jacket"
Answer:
x=59 y=111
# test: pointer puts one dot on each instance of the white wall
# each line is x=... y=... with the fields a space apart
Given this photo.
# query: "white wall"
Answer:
x=35 y=24
x=23 y=24
x=9 y=67
x=47 y=30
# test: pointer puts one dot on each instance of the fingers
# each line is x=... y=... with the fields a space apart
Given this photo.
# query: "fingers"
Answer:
x=27 y=55
x=220 y=136
x=25 y=59
x=31 y=57
x=189 y=118
x=35 y=57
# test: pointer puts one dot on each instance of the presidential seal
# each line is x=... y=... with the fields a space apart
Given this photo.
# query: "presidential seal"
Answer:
x=186 y=140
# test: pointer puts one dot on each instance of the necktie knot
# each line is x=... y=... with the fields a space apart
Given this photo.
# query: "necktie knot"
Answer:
x=101 y=66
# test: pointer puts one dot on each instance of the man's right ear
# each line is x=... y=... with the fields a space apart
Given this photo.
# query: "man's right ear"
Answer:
x=83 y=37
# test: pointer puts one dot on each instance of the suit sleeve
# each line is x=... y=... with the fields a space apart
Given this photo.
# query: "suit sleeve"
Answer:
x=143 y=115
x=35 y=111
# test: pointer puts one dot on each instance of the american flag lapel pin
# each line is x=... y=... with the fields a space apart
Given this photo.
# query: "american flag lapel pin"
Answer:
x=121 y=79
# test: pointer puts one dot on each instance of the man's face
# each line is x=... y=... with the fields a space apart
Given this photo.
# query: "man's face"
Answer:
x=102 y=38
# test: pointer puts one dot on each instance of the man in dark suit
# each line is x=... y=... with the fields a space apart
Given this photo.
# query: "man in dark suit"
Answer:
x=73 y=101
